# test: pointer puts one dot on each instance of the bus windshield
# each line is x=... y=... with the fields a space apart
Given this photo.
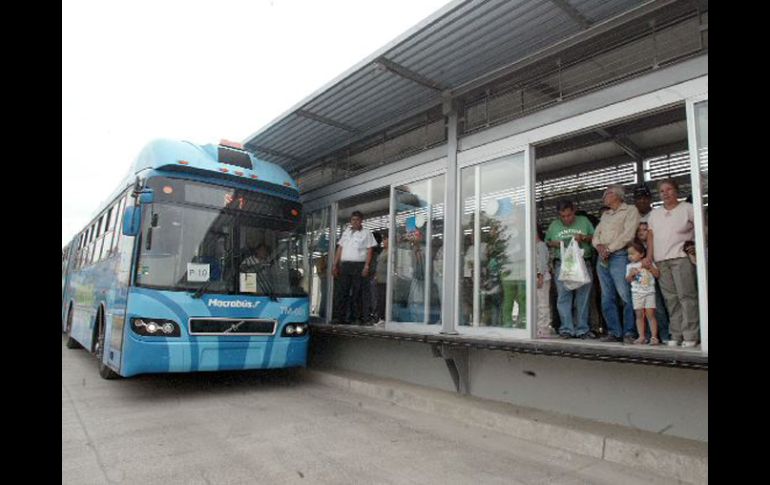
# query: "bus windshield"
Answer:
x=217 y=251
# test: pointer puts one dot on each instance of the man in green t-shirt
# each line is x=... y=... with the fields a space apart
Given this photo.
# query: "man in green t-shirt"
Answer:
x=567 y=226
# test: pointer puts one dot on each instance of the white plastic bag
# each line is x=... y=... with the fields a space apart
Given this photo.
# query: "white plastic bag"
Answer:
x=574 y=273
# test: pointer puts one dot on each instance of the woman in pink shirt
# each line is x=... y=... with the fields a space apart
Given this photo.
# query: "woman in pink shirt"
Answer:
x=669 y=227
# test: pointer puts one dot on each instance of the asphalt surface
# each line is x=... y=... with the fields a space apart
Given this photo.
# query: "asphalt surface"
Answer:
x=274 y=427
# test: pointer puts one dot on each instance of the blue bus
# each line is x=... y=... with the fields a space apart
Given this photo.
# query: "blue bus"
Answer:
x=193 y=264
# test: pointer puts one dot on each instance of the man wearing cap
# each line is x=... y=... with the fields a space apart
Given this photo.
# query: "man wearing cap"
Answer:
x=643 y=201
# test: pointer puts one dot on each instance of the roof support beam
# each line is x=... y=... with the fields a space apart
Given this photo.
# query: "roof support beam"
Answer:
x=399 y=70
x=328 y=150
x=623 y=142
x=573 y=13
x=327 y=121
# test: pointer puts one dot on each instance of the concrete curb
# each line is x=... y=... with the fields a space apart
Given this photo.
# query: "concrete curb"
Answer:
x=673 y=457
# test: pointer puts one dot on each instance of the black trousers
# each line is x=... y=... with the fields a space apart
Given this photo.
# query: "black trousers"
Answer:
x=349 y=293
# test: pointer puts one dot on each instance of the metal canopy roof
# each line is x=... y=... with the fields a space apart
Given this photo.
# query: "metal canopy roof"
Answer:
x=457 y=49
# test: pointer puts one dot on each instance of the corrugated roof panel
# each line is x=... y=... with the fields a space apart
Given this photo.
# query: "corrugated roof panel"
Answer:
x=464 y=62
x=314 y=144
x=480 y=30
x=505 y=52
x=392 y=90
x=378 y=108
x=448 y=34
x=386 y=108
x=598 y=10
x=277 y=139
x=367 y=76
x=446 y=21
x=305 y=128
x=461 y=42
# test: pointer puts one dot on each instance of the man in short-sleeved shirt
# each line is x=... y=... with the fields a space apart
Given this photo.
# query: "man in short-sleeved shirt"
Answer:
x=616 y=229
x=564 y=228
x=352 y=263
x=558 y=231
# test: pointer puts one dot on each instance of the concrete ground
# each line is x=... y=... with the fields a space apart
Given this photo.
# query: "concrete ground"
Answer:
x=276 y=427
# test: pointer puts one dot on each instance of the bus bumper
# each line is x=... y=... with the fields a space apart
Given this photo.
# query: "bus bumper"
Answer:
x=158 y=355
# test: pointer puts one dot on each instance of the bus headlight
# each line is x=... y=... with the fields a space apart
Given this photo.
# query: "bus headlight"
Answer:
x=294 y=330
x=154 y=327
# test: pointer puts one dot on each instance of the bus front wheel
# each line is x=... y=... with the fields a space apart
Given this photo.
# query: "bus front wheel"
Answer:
x=71 y=342
x=104 y=371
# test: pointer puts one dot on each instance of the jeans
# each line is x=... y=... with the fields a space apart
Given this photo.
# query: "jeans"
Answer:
x=612 y=278
x=581 y=297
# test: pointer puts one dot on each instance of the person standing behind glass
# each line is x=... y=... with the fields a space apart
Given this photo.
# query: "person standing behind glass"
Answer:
x=661 y=314
x=381 y=280
x=643 y=201
x=567 y=226
x=595 y=318
x=669 y=228
x=370 y=303
x=542 y=266
x=352 y=261
x=616 y=229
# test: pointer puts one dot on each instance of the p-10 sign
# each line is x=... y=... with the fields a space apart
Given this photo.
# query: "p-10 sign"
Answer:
x=198 y=272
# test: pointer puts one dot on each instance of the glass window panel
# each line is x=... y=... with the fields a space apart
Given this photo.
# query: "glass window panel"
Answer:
x=493 y=292
x=435 y=267
x=119 y=222
x=468 y=218
x=702 y=136
x=318 y=249
x=417 y=264
x=375 y=206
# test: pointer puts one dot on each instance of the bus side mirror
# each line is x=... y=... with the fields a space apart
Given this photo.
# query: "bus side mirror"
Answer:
x=131 y=221
x=146 y=196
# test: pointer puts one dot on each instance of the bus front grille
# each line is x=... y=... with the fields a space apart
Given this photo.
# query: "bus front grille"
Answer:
x=231 y=326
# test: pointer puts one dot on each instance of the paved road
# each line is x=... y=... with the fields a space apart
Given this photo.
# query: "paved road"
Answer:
x=274 y=428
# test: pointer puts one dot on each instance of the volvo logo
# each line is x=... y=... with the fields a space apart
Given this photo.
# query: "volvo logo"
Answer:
x=235 y=326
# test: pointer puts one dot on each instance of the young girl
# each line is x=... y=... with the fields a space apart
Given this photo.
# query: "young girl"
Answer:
x=543 y=298
x=642 y=291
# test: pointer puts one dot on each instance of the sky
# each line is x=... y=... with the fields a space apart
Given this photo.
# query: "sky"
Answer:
x=199 y=71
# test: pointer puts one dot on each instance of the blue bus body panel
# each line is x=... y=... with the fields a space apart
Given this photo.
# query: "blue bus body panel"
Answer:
x=190 y=353
x=160 y=154
x=106 y=284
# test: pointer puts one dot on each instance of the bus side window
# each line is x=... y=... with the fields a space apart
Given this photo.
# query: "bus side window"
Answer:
x=86 y=248
x=107 y=245
x=119 y=222
x=97 y=241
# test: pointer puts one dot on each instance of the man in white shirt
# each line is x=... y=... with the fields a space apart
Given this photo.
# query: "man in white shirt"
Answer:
x=352 y=262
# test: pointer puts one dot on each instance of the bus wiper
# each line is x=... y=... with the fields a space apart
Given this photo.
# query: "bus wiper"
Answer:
x=199 y=292
x=265 y=285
